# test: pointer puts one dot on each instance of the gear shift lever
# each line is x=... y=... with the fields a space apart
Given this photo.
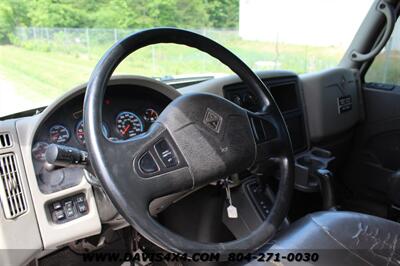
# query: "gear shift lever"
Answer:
x=325 y=180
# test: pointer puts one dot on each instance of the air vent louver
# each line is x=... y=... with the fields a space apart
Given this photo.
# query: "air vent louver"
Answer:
x=5 y=140
x=11 y=192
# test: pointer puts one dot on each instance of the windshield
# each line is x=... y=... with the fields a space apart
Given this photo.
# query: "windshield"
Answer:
x=48 y=47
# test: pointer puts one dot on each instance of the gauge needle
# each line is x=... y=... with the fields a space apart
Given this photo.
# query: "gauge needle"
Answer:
x=126 y=129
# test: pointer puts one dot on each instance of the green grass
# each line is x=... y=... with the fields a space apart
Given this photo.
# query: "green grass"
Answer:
x=385 y=68
x=39 y=71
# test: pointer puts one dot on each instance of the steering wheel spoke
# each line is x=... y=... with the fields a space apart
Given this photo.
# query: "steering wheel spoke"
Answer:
x=150 y=161
x=271 y=136
x=167 y=183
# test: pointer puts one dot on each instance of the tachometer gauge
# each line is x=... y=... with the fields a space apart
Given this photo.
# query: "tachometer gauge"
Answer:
x=150 y=115
x=39 y=150
x=80 y=133
x=59 y=134
x=129 y=124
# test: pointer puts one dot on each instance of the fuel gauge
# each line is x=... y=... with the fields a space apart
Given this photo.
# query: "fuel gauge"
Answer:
x=59 y=134
x=150 y=115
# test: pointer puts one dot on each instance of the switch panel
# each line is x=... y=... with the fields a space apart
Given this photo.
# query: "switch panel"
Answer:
x=344 y=104
x=68 y=209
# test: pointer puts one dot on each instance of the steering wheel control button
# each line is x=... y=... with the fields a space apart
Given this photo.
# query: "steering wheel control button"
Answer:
x=147 y=164
x=166 y=154
x=68 y=209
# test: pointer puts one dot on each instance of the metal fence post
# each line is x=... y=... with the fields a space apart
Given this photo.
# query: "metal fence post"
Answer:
x=65 y=37
x=277 y=53
x=153 y=59
x=47 y=36
x=115 y=35
x=88 y=42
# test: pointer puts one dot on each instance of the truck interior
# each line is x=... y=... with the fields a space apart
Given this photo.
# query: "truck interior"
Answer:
x=258 y=162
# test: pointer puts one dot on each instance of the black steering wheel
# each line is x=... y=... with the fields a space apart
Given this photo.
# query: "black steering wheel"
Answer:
x=199 y=138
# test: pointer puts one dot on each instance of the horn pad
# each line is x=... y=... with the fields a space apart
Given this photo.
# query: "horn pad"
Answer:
x=213 y=134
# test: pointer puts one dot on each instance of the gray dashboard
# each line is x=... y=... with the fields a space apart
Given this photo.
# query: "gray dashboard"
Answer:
x=310 y=104
x=333 y=101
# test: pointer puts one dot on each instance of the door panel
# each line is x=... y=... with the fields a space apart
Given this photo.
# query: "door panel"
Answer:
x=376 y=156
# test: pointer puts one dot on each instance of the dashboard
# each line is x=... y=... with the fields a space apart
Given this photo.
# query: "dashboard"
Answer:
x=129 y=110
x=130 y=106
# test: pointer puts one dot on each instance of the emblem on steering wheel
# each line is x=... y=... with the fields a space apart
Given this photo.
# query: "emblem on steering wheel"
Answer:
x=212 y=120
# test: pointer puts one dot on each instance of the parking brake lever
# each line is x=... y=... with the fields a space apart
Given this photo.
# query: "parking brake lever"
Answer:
x=325 y=180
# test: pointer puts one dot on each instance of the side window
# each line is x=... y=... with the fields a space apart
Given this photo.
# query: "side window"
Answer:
x=384 y=72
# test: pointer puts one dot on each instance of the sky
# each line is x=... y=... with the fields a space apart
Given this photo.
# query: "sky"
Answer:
x=311 y=22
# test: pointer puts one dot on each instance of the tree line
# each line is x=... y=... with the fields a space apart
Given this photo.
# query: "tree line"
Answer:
x=117 y=14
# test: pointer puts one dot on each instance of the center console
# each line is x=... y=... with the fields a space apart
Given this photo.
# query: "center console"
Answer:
x=254 y=198
x=311 y=163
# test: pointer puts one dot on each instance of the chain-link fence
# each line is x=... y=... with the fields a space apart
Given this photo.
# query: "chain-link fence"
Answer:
x=82 y=40
x=88 y=40
x=92 y=42
x=42 y=63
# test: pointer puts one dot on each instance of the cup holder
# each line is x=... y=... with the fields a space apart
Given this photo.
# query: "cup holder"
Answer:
x=321 y=153
x=306 y=165
x=310 y=162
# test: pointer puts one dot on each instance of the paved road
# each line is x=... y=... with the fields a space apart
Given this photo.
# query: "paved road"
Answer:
x=10 y=101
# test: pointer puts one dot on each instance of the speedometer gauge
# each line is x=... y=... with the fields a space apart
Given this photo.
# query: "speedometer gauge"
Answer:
x=80 y=133
x=129 y=124
x=59 y=134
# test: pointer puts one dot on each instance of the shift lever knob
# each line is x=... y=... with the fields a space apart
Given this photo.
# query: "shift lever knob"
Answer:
x=325 y=180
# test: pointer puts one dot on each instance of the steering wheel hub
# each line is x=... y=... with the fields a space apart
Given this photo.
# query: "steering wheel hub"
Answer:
x=213 y=135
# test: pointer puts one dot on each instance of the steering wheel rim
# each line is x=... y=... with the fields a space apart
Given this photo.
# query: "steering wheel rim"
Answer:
x=129 y=188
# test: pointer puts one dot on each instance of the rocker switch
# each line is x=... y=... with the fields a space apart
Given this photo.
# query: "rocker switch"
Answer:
x=166 y=153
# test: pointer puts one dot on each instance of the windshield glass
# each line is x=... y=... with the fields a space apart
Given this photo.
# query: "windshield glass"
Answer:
x=48 y=47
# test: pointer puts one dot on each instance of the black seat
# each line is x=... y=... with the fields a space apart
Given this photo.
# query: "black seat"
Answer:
x=340 y=238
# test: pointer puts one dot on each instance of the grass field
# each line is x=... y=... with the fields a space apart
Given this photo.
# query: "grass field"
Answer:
x=39 y=74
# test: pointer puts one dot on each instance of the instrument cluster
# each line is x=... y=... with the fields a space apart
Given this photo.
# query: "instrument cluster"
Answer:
x=126 y=113
x=127 y=124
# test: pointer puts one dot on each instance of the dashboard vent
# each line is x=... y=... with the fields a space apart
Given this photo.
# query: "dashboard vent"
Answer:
x=5 y=140
x=11 y=191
